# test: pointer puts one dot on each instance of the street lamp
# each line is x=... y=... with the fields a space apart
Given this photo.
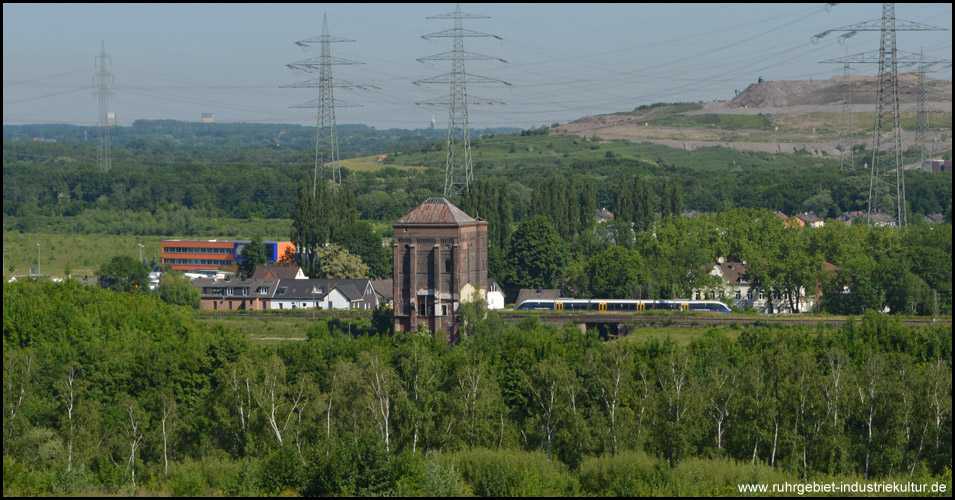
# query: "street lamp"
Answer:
x=37 y=261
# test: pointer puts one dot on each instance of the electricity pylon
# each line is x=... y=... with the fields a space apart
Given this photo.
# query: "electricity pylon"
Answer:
x=101 y=80
x=847 y=145
x=458 y=172
x=921 y=122
x=887 y=167
x=326 y=137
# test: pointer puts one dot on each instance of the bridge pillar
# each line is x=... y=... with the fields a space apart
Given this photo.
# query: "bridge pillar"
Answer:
x=583 y=327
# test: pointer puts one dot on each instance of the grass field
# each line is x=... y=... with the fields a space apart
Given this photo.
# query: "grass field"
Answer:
x=79 y=253
x=371 y=164
x=85 y=253
x=266 y=329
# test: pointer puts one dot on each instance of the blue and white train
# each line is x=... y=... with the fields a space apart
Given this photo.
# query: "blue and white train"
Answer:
x=614 y=305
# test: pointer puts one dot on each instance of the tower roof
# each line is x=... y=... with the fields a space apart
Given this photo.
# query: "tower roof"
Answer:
x=436 y=211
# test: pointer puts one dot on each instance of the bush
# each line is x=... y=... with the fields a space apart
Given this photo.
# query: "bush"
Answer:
x=625 y=474
x=75 y=481
x=353 y=467
x=186 y=480
x=443 y=480
x=513 y=473
x=282 y=469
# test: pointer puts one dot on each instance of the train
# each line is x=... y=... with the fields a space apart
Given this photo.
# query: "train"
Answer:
x=615 y=305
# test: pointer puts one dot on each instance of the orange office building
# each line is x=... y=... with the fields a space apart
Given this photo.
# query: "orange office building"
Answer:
x=215 y=255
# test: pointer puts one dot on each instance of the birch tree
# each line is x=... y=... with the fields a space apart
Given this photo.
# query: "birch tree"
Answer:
x=385 y=388
x=673 y=373
x=17 y=379
x=167 y=410
x=68 y=389
x=866 y=386
x=277 y=401
x=721 y=389
x=477 y=395
x=544 y=381
x=940 y=402
x=134 y=423
x=420 y=376
x=612 y=376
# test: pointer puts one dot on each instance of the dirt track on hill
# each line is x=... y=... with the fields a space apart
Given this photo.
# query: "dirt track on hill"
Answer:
x=802 y=100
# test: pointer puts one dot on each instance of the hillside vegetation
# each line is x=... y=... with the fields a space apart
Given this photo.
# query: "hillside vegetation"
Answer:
x=119 y=393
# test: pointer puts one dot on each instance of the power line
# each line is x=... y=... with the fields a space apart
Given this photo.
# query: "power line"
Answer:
x=458 y=175
x=887 y=174
x=102 y=80
x=326 y=137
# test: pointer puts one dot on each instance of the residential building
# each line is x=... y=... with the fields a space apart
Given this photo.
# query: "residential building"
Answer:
x=283 y=294
x=737 y=290
x=937 y=165
x=385 y=289
x=495 y=295
x=850 y=217
x=604 y=215
x=809 y=219
x=279 y=272
x=880 y=219
x=235 y=294
x=935 y=218
x=324 y=294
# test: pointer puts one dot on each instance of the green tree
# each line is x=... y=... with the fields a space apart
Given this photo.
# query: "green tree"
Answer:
x=124 y=274
x=642 y=208
x=358 y=238
x=536 y=256
x=615 y=273
x=253 y=255
x=176 y=288
x=334 y=262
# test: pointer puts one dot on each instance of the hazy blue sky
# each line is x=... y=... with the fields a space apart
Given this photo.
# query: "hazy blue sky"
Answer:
x=564 y=61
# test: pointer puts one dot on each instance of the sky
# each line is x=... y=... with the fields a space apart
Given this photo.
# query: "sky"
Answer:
x=563 y=60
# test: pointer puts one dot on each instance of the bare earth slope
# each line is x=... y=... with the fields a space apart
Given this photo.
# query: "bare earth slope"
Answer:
x=807 y=116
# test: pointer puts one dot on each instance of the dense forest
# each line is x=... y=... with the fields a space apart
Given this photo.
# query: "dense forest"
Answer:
x=243 y=175
x=118 y=392
x=536 y=190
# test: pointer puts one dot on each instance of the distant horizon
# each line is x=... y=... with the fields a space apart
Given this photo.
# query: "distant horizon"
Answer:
x=277 y=124
x=553 y=63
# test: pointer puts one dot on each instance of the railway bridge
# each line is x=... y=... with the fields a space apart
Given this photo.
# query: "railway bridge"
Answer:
x=617 y=323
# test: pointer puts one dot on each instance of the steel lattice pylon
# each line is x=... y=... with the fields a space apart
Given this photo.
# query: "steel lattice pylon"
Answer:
x=326 y=137
x=101 y=80
x=887 y=172
x=847 y=120
x=458 y=173
x=887 y=179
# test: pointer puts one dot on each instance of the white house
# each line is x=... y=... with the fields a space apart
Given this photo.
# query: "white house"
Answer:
x=738 y=291
x=495 y=296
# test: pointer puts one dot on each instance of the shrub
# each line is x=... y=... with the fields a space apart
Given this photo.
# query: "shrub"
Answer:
x=186 y=480
x=513 y=473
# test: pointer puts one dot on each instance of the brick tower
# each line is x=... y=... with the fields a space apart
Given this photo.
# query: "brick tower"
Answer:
x=440 y=260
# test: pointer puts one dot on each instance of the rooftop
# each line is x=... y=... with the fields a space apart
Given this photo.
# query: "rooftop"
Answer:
x=436 y=211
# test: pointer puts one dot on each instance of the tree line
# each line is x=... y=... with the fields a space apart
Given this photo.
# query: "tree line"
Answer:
x=645 y=254
x=109 y=391
x=44 y=180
